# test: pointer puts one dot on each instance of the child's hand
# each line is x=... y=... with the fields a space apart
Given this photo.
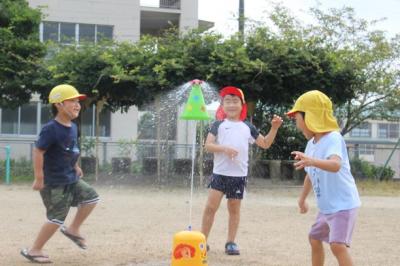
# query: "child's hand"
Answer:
x=303 y=206
x=276 y=121
x=38 y=184
x=231 y=153
x=302 y=160
x=79 y=171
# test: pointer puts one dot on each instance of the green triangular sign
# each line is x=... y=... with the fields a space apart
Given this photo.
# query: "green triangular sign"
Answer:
x=195 y=108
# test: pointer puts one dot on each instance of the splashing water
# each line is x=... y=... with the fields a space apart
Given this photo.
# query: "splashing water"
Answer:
x=169 y=133
x=158 y=123
x=193 y=118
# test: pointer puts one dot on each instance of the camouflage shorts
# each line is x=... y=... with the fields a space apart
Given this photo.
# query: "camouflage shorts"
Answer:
x=58 y=200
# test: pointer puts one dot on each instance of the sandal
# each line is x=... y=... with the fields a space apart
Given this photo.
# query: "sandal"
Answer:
x=76 y=239
x=231 y=248
x=41 y=259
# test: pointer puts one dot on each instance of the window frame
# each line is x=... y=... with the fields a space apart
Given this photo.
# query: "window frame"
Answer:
x=358 y=132
x=40 y=123
x=77 y=31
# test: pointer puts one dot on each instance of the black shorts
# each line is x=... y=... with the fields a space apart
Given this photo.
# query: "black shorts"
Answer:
x=232 y=186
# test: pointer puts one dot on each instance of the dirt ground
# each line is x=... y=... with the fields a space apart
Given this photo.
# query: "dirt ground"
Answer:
x=135 y=226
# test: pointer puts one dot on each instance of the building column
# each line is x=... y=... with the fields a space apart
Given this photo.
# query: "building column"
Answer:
x=189 y=18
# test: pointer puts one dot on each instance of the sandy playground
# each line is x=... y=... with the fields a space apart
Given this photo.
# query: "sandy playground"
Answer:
x=135 y=226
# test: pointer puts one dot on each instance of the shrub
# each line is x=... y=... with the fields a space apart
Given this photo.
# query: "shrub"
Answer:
x=21 y=170
x=88 y=145
x=126 y=147
x=362 y=169
x=383 y=174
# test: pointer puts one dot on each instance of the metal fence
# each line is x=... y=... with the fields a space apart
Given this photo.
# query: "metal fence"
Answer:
x=168 y=158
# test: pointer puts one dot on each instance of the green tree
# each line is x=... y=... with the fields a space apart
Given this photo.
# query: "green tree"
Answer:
x=20 y=51
x=294 y=62
x=374 y=57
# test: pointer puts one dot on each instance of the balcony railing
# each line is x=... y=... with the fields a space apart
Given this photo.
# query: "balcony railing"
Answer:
x=173 y=4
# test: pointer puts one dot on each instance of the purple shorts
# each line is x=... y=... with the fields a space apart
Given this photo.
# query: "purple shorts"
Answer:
x=335 y=227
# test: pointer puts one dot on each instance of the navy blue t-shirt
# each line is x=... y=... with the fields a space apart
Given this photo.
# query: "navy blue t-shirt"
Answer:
x=61 y=145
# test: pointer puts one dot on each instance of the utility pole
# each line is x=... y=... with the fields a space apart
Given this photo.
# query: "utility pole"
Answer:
x=241 y=17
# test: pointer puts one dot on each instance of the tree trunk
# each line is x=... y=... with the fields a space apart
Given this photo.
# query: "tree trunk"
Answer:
x=158 y=115
x=99 y=108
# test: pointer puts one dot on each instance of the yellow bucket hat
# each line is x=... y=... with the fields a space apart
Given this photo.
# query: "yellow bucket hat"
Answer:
x=318 y=109
x=64 y=92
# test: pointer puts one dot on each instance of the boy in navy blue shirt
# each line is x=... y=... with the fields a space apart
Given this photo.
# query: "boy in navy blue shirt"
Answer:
x=57 y=174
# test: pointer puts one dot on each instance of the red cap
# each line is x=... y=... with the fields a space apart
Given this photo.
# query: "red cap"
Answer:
x=230 y=90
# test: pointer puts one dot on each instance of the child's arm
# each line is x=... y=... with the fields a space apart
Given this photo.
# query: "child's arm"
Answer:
x=266 y=142
x=78 y=170
x=332 y=164
x=38 y=183
x=212 y=146
x=304 y=193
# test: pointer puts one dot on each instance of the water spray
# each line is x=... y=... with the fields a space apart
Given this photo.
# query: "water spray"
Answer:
x=190 y=246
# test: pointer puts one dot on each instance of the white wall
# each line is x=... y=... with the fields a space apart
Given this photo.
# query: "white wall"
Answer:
x=124 y=125
x=189 y=17
x=124 y=15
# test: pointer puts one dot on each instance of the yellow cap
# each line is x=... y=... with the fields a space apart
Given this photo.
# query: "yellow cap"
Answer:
x=318 y=109
x=64 y=92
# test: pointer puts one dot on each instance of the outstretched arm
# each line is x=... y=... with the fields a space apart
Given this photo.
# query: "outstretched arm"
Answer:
x=332 y=164
x=266 y=142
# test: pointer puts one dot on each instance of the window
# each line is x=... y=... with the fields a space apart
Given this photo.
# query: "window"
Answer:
x=86 y=33
x=363 y=130
x=105 y=123
x=70 y=33
x=366 y=149
x=9 y=121
x=24 y=120
x=67 y=33
x=88 y=126
x=50 y=31
x=19 y=121
x=104 y=33
x=87 y=122
x=28 y=120
x=45 y=115
x=390 y=131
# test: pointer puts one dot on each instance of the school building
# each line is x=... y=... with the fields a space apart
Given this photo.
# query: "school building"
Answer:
x=74 y=21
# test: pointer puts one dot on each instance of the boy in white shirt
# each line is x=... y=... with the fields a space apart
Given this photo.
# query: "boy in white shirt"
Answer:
x=229 y=140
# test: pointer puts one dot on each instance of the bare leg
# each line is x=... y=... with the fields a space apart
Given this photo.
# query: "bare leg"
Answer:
x=83 y=212
x=234 y=218
x=342 y=254
x=46 y=232
x=212 y=205
x=317 y=252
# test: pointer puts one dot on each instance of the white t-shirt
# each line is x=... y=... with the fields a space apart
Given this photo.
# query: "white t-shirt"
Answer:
x=237 y=135
x=334 y=191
